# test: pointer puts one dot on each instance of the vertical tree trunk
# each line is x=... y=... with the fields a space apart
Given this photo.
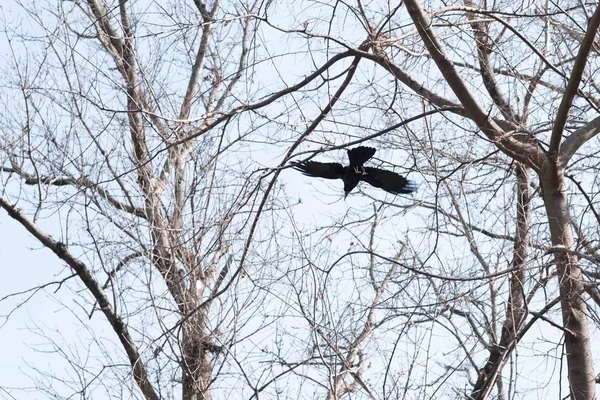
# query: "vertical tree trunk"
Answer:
x=516 y=300
x=574 y=308
x=515 y=313
x=195 y=360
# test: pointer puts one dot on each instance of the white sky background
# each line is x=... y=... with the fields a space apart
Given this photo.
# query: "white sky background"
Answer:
x=24 y=264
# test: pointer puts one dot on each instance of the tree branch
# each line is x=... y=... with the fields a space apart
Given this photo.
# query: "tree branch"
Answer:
x=482 y=41
x=140 y=373
x=527 y=153
x=266 y=101
x=198 y=63
x=575 y=140
x=80 y=183
x=573 y=85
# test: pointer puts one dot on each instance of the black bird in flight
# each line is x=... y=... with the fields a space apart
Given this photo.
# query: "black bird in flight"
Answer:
x=387 y=180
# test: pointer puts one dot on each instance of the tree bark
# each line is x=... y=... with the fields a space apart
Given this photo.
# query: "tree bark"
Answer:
x=574 y=308
x=196 y=359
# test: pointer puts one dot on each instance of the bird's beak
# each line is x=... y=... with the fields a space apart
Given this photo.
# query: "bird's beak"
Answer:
x=345 y=195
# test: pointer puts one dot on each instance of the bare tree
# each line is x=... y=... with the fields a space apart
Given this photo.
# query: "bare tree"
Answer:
x=128 y=135
x=145 y=145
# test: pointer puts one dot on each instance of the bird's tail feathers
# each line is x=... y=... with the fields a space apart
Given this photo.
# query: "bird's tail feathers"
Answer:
x=411 y=186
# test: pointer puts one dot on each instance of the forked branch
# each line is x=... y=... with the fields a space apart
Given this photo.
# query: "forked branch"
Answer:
x=573 y=85
x=527 y=153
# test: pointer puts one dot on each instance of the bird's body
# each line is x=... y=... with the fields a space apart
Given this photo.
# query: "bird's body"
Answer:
x=352 y=174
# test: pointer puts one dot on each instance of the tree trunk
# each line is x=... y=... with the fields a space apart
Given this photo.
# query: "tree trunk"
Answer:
x=515 y=313
x=574 y=308
x=195 y=360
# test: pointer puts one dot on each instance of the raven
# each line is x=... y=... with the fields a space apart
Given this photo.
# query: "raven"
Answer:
x=387 y=180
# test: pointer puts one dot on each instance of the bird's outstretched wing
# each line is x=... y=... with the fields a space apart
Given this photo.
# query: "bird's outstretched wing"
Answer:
x=359 y=155
x=388 y=181
x=319 y=169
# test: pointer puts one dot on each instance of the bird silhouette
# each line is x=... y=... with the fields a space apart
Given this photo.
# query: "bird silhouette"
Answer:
x=352 y=174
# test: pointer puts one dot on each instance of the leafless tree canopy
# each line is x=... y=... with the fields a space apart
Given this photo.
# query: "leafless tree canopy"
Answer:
x=145 y=146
